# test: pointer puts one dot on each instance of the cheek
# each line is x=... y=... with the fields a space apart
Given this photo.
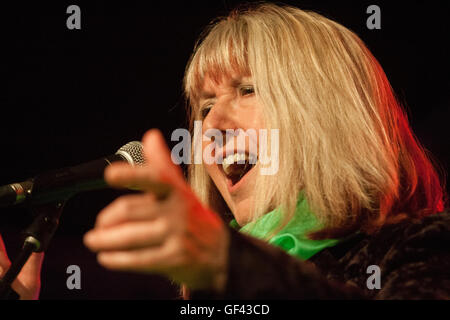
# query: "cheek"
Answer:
x=208 y=152
x=213 y=172
x=252 y=114
x=217 y=179
x=209 y=170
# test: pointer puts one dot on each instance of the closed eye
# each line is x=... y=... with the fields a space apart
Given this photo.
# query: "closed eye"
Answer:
x=205 y=110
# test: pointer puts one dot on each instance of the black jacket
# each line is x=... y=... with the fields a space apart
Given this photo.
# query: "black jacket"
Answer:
x=413 y=259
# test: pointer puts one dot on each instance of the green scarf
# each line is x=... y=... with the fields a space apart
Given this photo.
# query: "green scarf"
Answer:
x=292 y=238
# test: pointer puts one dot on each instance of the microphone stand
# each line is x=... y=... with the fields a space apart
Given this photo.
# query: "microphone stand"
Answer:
x=37 y=238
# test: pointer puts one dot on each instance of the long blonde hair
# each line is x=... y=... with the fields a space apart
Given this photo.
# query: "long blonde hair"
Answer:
x=345 y=140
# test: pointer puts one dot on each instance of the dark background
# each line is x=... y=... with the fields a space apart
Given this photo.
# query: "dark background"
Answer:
x=70 y=96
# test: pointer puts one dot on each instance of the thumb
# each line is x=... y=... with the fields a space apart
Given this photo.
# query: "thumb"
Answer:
x=158 y=157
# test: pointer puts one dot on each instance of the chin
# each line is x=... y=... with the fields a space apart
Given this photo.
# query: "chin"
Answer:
x=242 y=212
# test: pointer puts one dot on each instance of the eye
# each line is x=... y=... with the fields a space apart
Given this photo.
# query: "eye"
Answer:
x=246 y=90
x=205 y=110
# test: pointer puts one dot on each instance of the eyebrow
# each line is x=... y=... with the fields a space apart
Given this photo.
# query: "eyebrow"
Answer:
x=204 y=95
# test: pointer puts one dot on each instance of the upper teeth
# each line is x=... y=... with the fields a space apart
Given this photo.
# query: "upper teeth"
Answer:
x=239 y=158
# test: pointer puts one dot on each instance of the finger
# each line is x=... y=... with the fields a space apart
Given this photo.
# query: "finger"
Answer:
x=127 y=208
x=144 y=178
x=127 y=236
x=152 y=259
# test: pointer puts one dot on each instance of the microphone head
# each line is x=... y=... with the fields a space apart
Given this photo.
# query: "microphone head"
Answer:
x=132 y=152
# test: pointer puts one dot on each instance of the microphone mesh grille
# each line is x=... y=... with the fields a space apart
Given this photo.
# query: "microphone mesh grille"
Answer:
x=133 y=150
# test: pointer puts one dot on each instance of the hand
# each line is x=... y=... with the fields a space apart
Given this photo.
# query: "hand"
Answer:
x=178 y=237
x=28 y=282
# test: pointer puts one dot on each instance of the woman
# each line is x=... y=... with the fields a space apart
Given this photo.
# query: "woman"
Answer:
x=354 y=190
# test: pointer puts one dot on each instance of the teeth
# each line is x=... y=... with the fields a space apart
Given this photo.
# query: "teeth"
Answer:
x=239 y=158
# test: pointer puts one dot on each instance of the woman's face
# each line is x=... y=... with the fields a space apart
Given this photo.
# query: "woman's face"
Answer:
x=232 y=104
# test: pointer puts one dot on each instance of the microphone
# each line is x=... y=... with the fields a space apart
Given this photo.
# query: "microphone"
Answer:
x=61 y=184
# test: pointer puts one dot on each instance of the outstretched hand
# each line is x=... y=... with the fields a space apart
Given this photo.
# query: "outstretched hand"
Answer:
x=178 y=237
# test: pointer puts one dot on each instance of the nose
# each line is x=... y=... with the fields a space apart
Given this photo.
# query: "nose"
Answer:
x=222 y=116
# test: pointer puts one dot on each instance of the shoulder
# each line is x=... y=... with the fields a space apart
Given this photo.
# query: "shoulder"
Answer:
x=435 y=223
x=411 y=233
x=408 y=255
x=412 y=239
x=420 y=236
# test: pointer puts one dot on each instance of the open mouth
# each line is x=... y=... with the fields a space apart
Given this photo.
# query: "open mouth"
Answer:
x=237 y=165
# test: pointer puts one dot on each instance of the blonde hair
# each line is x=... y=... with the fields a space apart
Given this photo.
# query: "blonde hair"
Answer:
x=345 y=141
